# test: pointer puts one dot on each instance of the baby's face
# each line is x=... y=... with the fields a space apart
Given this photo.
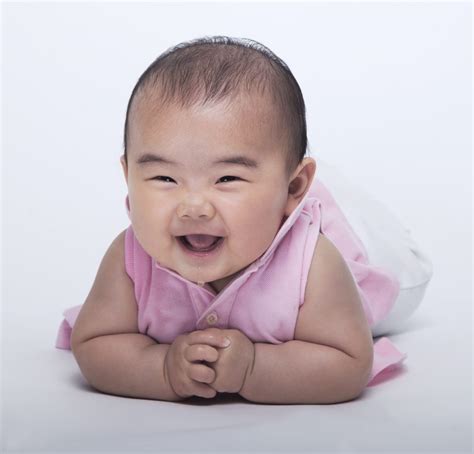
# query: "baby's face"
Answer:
x=197 y=194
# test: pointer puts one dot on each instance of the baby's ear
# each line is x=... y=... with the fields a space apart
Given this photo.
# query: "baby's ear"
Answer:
x=124 y=167
x=302 y=179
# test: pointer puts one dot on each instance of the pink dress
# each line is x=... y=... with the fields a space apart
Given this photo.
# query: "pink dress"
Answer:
x=264 y=299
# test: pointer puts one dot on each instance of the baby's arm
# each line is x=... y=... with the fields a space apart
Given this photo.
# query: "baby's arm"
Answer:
x=330 y=359
x=116 y=358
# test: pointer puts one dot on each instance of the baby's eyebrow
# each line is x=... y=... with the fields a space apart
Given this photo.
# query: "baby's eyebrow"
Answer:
x=151 y=158
x=238 y=160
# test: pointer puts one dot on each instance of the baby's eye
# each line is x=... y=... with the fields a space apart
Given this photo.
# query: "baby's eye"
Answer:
x=164 y=179
x=228 y=177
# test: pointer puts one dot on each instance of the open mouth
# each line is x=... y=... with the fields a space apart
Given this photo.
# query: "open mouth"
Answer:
x=199 y=244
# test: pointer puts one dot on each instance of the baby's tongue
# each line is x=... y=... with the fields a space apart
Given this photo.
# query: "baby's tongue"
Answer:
x=201 y=241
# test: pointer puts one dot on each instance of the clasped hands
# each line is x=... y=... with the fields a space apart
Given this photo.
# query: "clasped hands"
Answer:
x=201 y=364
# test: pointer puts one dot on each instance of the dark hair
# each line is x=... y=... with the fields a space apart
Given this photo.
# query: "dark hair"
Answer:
x=214 y=68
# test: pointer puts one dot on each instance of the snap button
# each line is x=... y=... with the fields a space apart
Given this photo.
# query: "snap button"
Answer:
x=212 y=318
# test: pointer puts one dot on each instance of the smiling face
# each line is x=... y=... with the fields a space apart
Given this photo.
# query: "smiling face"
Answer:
x=189 y=191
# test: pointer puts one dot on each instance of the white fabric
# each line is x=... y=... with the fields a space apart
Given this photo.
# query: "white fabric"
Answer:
x=387 y=241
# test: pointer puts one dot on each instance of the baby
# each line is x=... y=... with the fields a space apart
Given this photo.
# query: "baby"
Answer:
x=225 y=281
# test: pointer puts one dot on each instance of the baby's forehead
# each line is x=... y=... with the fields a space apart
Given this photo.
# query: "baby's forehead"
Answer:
x=255 y=110
x=228 y=127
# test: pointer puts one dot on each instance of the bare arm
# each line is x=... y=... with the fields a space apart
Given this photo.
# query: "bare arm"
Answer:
x=302 y=372
x=130 y=364
x=331 y=358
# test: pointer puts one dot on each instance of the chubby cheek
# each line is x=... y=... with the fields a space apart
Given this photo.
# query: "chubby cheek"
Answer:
x=254 y=228
x=149 y=225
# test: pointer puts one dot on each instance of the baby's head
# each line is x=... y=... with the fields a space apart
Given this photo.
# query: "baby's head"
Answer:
x=215 y=138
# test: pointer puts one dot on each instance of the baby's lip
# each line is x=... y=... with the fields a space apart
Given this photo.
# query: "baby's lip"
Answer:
x=200 y=233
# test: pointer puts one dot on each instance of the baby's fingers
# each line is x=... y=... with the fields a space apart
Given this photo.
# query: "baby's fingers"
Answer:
x=200 y=352
x=202 y=390
x=201 y=373
x=211 y=336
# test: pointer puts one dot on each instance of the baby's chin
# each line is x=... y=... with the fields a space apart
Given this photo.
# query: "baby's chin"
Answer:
x=215 y=283
x=217 y=280
x=219 y=284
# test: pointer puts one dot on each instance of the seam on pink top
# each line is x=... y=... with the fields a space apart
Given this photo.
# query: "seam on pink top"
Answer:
x=309 y=249
x=229 y=315
x=129 y=264
x=194 y=304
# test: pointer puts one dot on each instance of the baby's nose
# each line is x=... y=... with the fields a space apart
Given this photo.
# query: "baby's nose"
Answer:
x=195 y=207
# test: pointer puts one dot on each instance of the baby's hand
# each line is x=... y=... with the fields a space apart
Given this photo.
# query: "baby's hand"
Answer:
x=235 y=362
x=182 y=367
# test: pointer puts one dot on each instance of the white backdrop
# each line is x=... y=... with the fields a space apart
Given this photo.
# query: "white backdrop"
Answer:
x=388 y=94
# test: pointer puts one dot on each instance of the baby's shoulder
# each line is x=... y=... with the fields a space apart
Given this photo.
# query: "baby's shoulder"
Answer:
x=328 y=271
x=119 y=241
x=323 y=251
x=115 y=254
x=112 y=267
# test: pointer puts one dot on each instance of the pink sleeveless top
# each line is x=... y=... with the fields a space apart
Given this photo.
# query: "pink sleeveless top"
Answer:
x=264 y=299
